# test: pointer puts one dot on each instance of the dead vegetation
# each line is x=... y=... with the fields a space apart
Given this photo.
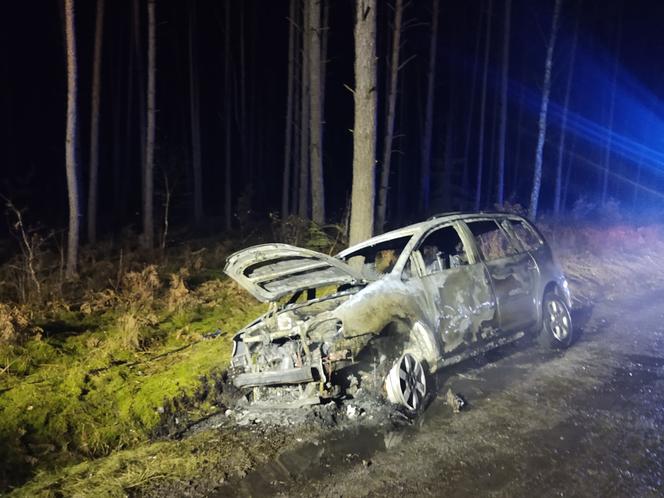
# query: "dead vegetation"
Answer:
x=603 y=261
x=16 y=327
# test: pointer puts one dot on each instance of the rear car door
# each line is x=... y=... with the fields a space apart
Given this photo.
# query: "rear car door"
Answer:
x=513 y=274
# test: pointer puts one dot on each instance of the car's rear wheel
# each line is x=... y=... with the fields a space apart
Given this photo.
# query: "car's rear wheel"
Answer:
x=557 y=328
x=406 y=383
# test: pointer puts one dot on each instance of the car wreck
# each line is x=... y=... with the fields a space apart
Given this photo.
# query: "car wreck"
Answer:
x=385 y=314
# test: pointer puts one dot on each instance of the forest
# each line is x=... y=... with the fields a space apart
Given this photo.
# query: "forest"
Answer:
x=146 y=140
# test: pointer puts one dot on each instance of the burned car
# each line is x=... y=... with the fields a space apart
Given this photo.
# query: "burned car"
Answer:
x=384 y=314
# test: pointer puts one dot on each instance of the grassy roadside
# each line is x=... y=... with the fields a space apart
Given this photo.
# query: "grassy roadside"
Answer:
x=82 y=382
x=211 y=456
x=80 y=400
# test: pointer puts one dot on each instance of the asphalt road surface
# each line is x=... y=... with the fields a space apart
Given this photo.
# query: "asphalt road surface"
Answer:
x=588 y=421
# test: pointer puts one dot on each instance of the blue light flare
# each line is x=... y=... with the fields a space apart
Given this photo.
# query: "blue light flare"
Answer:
x=637 y=135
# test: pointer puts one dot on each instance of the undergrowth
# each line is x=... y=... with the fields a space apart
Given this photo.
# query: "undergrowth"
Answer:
x=132 y=348
x=81 y=380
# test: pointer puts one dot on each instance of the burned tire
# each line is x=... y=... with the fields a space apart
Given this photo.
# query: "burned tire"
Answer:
x=406 y=383
x=557 y=330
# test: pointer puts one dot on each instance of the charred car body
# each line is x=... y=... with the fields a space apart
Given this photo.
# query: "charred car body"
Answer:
x=383 y=314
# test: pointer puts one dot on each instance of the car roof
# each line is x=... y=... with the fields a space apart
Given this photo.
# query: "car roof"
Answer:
x=433 y=221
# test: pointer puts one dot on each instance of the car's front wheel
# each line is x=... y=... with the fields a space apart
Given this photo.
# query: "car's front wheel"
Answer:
x=557 y=328
x=406 y=383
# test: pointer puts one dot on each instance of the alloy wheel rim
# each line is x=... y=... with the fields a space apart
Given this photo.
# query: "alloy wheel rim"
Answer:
x=406 y=382
x=558 y=320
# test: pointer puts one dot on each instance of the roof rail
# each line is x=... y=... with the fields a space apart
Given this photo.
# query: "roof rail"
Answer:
x=453 y=213
x=463 y=213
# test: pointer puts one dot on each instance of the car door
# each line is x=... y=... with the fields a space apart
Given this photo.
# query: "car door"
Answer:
x=513 y=274
x=458 y=289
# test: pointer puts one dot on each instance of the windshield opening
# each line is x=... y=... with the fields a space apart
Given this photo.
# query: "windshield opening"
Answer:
x=376 y=260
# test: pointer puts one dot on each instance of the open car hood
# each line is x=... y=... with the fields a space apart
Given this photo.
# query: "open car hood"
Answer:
x=271 y=271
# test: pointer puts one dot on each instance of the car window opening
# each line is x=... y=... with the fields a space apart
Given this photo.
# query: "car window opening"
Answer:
x=442 y=250
x=491 y=240
x=525 y=235
x=377 y=260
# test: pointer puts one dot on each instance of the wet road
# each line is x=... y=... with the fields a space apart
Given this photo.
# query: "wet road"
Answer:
x=585 y=422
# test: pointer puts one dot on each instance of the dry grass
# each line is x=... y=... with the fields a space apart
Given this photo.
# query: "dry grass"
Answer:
x=601 y=262
x=179 y=296
x=16 y=326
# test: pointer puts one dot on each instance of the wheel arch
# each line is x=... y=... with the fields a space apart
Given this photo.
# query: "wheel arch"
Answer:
x=422 y=342
x=413 y=336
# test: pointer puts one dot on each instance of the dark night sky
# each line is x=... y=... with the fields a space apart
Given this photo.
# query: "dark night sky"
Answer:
x=33 y=98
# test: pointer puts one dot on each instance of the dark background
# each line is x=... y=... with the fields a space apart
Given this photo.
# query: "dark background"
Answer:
x=33 y=100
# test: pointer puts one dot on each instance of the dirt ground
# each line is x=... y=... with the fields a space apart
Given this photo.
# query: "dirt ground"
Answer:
x=588 y=421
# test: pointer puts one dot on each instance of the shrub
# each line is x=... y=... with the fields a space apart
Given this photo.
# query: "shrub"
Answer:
x=178 y=297
x=15 y=326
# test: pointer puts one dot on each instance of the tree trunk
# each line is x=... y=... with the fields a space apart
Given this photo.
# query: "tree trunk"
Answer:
x=303 y=209
x=563 y=125
x=148 y=182
x=517 y=146
x=70 y=143
x=364 y=128
x=491 y=161
x=500 y=198
x=94 y=126
x=465 y=178
x=541 y=137
x=389 y=123
x=285 y=186
x=480 y=147
x=247 y=152
x=130 y=127
x=325 y=29
x=447 y=159
x=447 y=175
x=606 y=164
x=297 y=113
x=297 y=92
x=141 y=85
x=118 y=148
x=402 y=190
x=323 y=74
x=315 y=153
x=425 y=159
x=227 y=110
x=194 y=114
x=568 y=173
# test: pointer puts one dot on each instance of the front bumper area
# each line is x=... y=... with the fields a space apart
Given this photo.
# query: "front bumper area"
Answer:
x=274 y=378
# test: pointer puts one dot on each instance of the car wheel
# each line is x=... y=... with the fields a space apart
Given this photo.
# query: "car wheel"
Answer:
x=406 y=383
x=557 y=328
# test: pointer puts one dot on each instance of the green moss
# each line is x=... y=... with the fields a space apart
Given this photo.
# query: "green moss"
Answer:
x=81 y=393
